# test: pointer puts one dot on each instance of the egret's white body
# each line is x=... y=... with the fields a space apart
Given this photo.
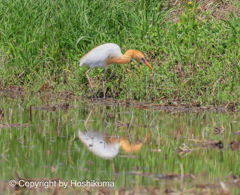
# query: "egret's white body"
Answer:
x=98 y=56
x=107 y=54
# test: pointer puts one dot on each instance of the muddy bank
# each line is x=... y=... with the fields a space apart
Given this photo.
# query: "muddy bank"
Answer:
x=46 y=95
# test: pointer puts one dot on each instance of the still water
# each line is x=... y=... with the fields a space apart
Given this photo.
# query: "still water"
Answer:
x=84 y=140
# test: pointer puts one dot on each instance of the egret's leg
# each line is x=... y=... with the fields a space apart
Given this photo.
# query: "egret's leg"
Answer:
x=89 y=78
x=103 y=80
x=90 y=81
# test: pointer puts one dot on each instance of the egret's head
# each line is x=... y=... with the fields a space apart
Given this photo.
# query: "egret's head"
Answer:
x=141 y=58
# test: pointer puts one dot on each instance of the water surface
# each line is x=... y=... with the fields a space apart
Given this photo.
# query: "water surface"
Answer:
x=84 y=140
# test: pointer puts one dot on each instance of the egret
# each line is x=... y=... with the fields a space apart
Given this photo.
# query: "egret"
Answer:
x=104 y=55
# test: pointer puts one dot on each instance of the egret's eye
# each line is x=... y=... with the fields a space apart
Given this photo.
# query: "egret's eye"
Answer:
x=143 y=59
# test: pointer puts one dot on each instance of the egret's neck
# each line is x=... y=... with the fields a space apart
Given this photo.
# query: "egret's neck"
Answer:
x=127 y=57
x=124 y=59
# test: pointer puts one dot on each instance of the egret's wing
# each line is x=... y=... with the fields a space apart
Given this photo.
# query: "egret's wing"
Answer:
x=100 y=54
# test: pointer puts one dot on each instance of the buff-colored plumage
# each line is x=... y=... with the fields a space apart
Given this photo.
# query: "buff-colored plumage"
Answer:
x=107 y=54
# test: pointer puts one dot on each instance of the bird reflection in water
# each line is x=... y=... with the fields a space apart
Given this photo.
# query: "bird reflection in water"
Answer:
x=107 y=146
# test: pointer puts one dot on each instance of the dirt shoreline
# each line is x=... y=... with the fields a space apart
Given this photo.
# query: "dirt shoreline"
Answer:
x=46 y=95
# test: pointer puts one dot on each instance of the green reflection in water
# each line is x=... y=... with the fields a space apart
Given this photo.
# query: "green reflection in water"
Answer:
x=49 y=146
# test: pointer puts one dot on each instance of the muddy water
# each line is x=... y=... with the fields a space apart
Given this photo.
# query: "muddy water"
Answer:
x=83 y=140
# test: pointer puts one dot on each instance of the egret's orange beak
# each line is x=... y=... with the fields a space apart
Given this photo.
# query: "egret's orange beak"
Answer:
x=146 y=62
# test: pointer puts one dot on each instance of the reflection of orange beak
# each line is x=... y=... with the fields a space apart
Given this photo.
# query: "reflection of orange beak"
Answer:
x=146 y=62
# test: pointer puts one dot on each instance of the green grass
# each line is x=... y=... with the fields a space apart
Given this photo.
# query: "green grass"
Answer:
x=196 y=58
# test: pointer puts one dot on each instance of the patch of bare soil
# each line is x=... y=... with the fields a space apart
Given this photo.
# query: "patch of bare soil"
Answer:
x=170 y=107
x=13 y=91
x=46 y=95
x=219 y=9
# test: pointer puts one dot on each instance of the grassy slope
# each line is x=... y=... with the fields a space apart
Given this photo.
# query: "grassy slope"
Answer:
x=194 y=59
